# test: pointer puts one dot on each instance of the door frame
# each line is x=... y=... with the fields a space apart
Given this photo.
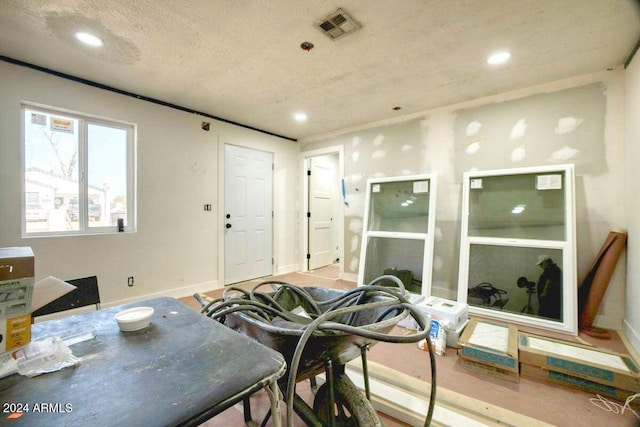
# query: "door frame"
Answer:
x=304 y=229
x=222 y=141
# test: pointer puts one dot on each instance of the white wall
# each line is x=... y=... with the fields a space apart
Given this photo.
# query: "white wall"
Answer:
x=175 y=250
x=518 y=129
x=632 y=139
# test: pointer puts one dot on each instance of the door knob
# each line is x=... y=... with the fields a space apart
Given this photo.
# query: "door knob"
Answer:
x=228 y=216
x=228 y=225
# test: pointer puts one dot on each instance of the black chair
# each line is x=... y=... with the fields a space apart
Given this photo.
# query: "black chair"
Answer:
x=86 y=293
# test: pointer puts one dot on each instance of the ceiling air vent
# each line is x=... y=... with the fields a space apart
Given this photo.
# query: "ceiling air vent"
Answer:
x=338 y=24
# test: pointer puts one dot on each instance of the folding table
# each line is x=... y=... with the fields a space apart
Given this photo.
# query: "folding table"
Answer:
x=180 y=371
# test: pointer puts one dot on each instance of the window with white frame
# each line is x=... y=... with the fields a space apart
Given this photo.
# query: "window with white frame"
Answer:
x=398 y=232
x=518 y=246
x=78 y=173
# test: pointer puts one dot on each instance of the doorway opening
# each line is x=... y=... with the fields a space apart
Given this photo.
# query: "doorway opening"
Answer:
x=323 y=209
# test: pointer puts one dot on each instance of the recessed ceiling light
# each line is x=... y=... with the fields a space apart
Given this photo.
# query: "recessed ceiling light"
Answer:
x=300 y=117
x=89 y=39
x=499 y=58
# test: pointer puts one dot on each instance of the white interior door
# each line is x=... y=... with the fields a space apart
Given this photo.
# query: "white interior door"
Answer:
x=248 y=216
x=322 y=189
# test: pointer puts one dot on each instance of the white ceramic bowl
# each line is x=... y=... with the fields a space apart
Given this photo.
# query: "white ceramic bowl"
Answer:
x=134 y=319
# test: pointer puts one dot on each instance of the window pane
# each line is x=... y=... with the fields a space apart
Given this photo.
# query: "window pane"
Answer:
x=403 y=258
x=526 y=206
x=401 y=206
x=521 y=280
x=107 y=175
x=51 y=172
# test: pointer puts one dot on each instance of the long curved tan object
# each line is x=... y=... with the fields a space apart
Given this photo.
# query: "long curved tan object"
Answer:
x=594 y=286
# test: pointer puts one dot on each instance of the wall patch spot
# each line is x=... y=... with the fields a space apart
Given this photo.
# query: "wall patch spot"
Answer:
x=407 y=147
x=519 y=129
x=354 y=244
x=567 y=125
x=355 y=225
x=518 y=154
x=378 y=140
x=378 y=154
x=473 y=147
x=473 y=128
x=356 y=141
x=564 y=154
x=353 y=265
x=355 y=156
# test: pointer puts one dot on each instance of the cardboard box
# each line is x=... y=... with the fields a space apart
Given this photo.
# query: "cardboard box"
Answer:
x=452 y=314
x=582 y=361
x=15 y=332
x=16 y=291
x=453 y=336
x=491 y=371
x=490 y=343
x=574 y=382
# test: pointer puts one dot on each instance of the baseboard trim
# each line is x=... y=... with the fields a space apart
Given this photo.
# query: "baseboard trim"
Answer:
x=286 y=269
x=185 y=291
x=608 y=322
x=349 y=277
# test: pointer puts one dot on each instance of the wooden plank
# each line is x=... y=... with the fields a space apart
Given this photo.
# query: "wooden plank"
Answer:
x=406 y=398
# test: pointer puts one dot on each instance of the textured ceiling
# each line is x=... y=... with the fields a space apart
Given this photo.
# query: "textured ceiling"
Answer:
x=241 y=60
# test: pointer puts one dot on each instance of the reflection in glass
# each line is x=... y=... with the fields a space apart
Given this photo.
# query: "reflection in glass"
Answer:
x=402 y=258
x=519 y=280
x=400 y=206
x=525 y=206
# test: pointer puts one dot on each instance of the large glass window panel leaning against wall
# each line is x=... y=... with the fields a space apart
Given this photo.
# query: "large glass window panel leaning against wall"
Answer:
x=78 y=173
x=398 y=231
x=517 y=255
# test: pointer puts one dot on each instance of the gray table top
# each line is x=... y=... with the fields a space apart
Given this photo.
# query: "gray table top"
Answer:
x=181 y=370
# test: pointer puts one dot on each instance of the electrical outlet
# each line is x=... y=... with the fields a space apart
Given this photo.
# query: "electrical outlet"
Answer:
x=130 y=281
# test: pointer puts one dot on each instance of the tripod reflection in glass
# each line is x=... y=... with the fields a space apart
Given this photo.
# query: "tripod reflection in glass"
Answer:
x=531 y=289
